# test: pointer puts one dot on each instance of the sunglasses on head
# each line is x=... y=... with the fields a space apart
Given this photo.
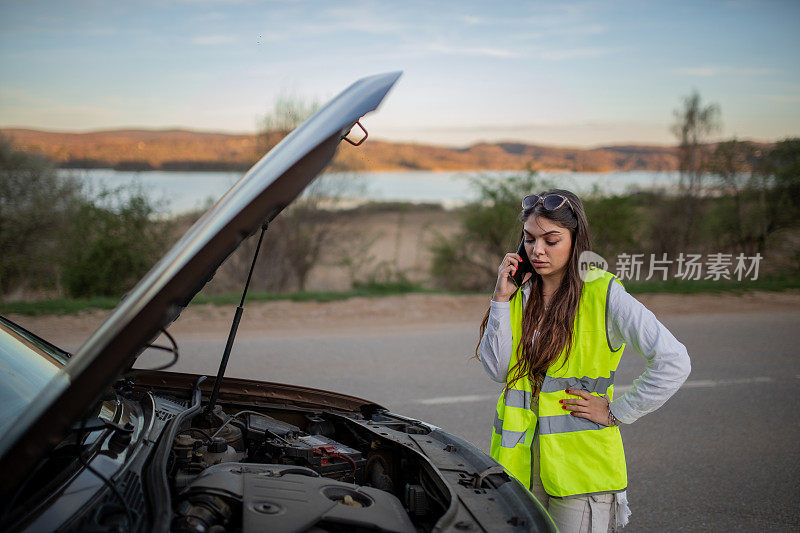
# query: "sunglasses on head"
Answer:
x=551 y=202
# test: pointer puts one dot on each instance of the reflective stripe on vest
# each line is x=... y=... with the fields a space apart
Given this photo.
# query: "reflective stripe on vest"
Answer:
x=578 y=456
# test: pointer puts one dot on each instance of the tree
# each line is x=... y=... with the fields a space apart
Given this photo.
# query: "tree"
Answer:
x=296 y=237
x=287 y=113
x=694 y=123
x=762 y=187
x=490 y=229
x=779 y=170
x=35 y=204
x=112 y=241
x=732 y=164
x=613 y=223
x=781 y=166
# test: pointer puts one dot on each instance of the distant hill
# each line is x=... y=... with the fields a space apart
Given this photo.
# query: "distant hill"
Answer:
x=193 y=150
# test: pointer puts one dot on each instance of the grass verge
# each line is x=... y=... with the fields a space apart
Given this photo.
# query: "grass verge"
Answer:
x=66 y=306
x=57 y=306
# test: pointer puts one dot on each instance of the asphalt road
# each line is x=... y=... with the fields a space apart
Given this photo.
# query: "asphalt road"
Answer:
x=723 y=454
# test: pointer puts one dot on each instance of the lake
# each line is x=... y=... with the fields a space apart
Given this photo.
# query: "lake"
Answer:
x=185 y=191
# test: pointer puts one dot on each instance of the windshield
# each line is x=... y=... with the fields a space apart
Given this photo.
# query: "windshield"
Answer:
x=27 y=365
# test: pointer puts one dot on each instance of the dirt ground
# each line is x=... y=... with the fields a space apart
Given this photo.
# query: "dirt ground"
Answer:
x=382 y=315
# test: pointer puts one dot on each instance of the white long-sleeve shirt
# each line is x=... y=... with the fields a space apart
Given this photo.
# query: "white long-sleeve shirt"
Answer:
x=629 y=322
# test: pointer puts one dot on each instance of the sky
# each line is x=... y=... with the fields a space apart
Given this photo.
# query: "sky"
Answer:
x=558 y=73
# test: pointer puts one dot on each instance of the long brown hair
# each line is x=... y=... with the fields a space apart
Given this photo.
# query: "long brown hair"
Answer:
x=556 y=325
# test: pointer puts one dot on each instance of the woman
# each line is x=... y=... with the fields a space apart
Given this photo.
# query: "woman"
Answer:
x=556 y=342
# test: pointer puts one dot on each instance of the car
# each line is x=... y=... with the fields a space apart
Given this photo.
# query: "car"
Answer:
x=91 y=444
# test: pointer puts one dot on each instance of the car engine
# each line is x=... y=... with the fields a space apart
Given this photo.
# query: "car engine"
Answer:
x=163 y=460
x=252 y=471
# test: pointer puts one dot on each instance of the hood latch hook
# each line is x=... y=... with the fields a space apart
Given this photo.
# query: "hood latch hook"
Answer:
x=361 y=140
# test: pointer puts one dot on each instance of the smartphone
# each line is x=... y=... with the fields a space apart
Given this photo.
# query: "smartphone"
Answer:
x=525 y=265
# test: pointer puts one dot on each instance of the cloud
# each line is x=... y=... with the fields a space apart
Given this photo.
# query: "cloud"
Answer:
x=588 y=29
x=471 y=20
x=100 y=31
x=743 y=4
x=562 y=18
x=213 y=40
x=472 y=51
x=231 y=2
x=361 y=18
x=210 y=16
x=574 y=53
x=708 y=71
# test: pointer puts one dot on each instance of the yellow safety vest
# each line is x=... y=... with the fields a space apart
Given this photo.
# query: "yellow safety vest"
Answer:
x=577 y=456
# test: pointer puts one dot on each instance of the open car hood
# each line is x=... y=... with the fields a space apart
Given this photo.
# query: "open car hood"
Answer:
x=157 y=300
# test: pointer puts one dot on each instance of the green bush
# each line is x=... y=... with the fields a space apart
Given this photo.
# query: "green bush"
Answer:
x=782 y=166
x=112 y=241
x=57 y=236
x=35 y=203
x=491 y=228
x=613 y=223
x=385 y=278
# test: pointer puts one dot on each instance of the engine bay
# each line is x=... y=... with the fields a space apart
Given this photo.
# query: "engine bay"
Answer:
x=288 y=470
x=161 y=460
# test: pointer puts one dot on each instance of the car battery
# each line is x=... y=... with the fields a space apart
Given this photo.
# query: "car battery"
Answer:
x=323 y=455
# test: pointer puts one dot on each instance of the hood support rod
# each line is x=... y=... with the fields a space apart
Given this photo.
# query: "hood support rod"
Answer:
x=234 y=327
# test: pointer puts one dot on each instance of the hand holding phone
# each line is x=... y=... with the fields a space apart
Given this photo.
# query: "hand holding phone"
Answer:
x=524 y=266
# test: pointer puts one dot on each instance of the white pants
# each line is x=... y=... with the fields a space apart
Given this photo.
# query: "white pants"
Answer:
x=580 y=514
